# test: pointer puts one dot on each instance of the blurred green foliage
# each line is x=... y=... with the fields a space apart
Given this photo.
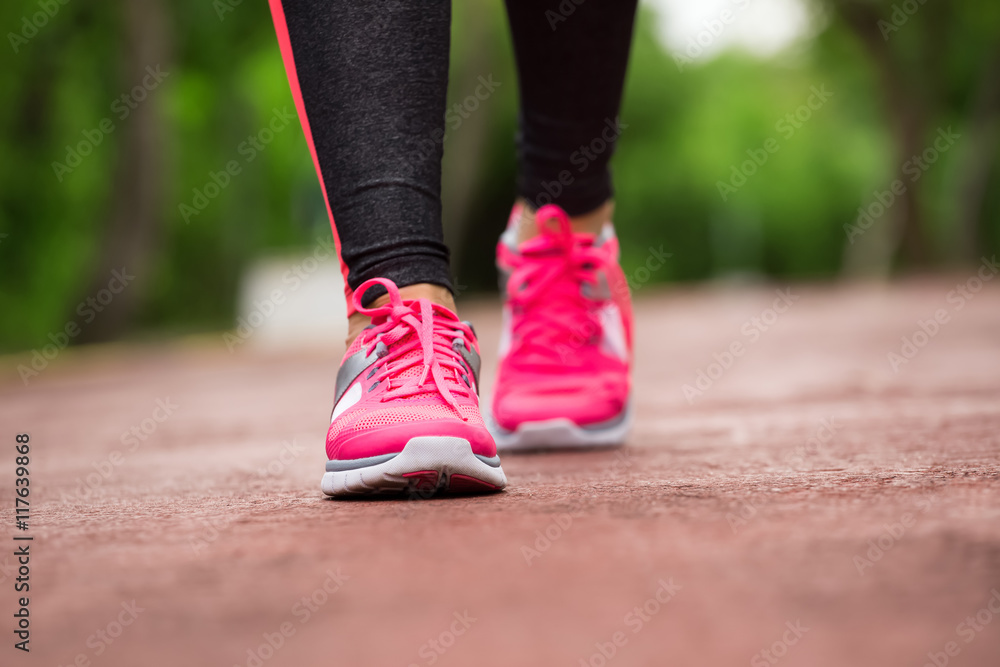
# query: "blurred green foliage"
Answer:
x=687 y=129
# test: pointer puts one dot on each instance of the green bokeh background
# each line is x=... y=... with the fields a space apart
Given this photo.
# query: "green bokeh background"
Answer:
x=687 y=127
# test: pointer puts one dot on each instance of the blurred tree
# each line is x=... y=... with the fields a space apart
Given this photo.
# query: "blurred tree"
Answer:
x=136 y=193
x=938 y=64
x=63 y=229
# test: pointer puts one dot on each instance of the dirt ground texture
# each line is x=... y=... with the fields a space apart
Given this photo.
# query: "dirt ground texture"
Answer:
x=811 y=506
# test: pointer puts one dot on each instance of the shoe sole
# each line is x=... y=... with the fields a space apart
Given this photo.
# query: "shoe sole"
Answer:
x=561 y=433
x=426 y=466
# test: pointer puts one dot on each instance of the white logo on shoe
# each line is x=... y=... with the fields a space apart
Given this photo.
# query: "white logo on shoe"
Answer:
x=613 y=341
x=505 y=332
x=347 y=401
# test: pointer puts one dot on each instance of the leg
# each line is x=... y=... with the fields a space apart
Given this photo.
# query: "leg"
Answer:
x=571 y=73
x=566 y=351
x=370 y=80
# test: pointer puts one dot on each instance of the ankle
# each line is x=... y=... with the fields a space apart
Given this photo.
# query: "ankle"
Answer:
x=588 y=223
x=442 y=296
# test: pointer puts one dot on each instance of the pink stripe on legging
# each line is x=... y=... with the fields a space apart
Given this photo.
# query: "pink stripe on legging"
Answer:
x=284 y=41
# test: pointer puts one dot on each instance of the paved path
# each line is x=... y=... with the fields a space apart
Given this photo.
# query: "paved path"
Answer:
x=810 y=507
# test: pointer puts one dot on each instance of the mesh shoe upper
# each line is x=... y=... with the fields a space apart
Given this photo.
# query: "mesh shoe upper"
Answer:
x=413 y=372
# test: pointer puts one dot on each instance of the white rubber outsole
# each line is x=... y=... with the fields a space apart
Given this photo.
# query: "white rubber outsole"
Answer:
x=426 y=465
x=559 y=434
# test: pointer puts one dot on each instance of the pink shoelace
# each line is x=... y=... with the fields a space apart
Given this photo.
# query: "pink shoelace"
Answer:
x=545 y=288
x=406 y=329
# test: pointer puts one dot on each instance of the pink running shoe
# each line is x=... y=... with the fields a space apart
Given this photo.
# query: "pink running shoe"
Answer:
x=566 y=344
x=406 y=414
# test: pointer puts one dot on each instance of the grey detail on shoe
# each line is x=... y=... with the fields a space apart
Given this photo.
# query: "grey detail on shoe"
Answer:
x=491 y=461
x=503 y=278
x=509 y=239
x=354 y=365
x=598 y=426
x=471 y=328
x=610 y=423
x=602 y=291
x=471 y=357
x=354 y=464
x=561 y=433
